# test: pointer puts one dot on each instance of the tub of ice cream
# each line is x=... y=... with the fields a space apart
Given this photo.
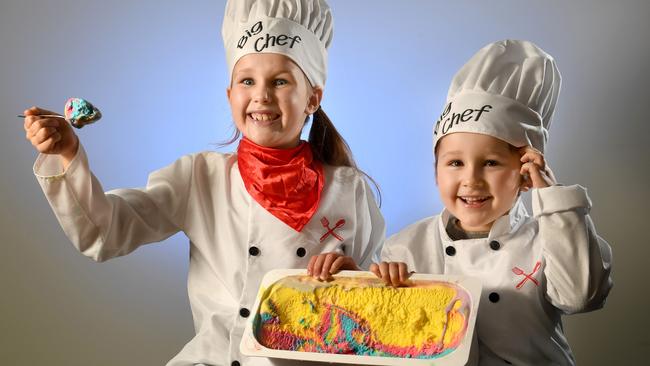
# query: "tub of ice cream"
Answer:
x=357 y=319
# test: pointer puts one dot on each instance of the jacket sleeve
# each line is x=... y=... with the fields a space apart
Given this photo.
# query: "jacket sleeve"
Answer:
x=106 y=225
x=397 y=248
x=371 y=231
x=408 y=246
x=578 y=261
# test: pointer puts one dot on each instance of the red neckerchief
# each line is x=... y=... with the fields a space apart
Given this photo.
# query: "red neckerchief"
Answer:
x=286 y=182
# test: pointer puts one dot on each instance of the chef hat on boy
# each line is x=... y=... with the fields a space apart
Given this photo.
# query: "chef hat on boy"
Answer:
x=298 y=29
x=507 y=90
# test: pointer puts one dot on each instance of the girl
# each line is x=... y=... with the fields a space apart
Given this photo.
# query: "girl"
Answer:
x=489 y=145
x=272 y=204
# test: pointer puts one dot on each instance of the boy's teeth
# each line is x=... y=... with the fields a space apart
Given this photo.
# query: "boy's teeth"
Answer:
x=474 y=199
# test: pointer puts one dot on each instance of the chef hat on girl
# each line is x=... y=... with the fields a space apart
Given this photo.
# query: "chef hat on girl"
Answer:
x=298 y=29
x=507 y=90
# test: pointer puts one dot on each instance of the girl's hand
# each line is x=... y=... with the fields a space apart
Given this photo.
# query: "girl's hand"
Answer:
x=323 y=266
x=50 y=135
x=394 y=274
x=537 y=174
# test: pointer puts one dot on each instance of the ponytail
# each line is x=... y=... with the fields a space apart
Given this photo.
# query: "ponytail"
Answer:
x=330 y=148
x=327 y=144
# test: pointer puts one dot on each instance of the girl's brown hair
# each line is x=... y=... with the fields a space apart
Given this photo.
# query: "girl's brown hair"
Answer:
x=330 y=147
x=327 y=144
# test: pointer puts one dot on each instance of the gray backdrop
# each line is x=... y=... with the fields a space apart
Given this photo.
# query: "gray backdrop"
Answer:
x=157 y=71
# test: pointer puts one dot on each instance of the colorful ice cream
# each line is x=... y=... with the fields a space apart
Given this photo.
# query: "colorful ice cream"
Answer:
x=361 y=316
x=79 y=112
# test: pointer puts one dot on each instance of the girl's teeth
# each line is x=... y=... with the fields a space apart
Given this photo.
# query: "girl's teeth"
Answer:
x=262 y=117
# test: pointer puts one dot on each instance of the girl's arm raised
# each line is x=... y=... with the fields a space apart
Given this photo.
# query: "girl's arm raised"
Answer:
x=106 y=225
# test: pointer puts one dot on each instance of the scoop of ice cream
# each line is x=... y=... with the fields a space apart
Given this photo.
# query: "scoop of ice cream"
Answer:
x=79 y=112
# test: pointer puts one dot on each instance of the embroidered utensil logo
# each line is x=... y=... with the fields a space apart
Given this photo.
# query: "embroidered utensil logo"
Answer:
x=527 y=276
x=266 y=41
x=326 y=224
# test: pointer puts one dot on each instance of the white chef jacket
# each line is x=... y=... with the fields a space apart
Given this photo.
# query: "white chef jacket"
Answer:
x=233 y=240
x=519 y=316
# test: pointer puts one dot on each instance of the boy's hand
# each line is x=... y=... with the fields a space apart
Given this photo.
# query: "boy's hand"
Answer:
x=50 y=135
x=536 y=172
x=394 y=274
x=323 y=266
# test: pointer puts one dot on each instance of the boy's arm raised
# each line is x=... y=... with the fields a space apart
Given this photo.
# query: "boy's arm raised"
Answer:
x=578 y=261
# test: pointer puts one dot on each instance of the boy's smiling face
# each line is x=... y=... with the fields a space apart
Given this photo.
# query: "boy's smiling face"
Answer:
x=270 y=99
x=478 y=178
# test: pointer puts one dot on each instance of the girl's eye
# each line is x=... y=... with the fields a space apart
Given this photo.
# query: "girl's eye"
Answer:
x=280 y=82
x=455 y=163
x=491 y=163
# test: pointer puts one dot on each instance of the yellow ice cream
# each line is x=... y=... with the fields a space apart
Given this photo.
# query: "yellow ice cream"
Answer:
x=301 y=313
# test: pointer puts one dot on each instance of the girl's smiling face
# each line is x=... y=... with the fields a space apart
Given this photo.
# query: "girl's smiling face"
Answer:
x=270 y=99
x=478 y=178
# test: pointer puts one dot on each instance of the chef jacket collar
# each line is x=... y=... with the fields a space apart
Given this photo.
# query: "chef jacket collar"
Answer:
x=504 y=225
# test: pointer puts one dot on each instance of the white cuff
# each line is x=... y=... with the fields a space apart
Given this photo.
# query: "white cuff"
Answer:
x=48 y=167
x=560 y=198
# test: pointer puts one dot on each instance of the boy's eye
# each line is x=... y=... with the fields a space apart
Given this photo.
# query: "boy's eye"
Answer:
x=455 y=163
x=491 y=163
x=280 y=82
x=247 y=82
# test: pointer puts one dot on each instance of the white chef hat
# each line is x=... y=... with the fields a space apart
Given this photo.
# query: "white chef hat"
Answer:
x=507 y=90
x=298 y=29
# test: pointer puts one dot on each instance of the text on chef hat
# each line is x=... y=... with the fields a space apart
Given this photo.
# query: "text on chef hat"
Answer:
x=450 y=119
x=265 y=41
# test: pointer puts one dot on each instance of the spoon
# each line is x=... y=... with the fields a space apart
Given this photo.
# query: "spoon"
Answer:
x=42 y=115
